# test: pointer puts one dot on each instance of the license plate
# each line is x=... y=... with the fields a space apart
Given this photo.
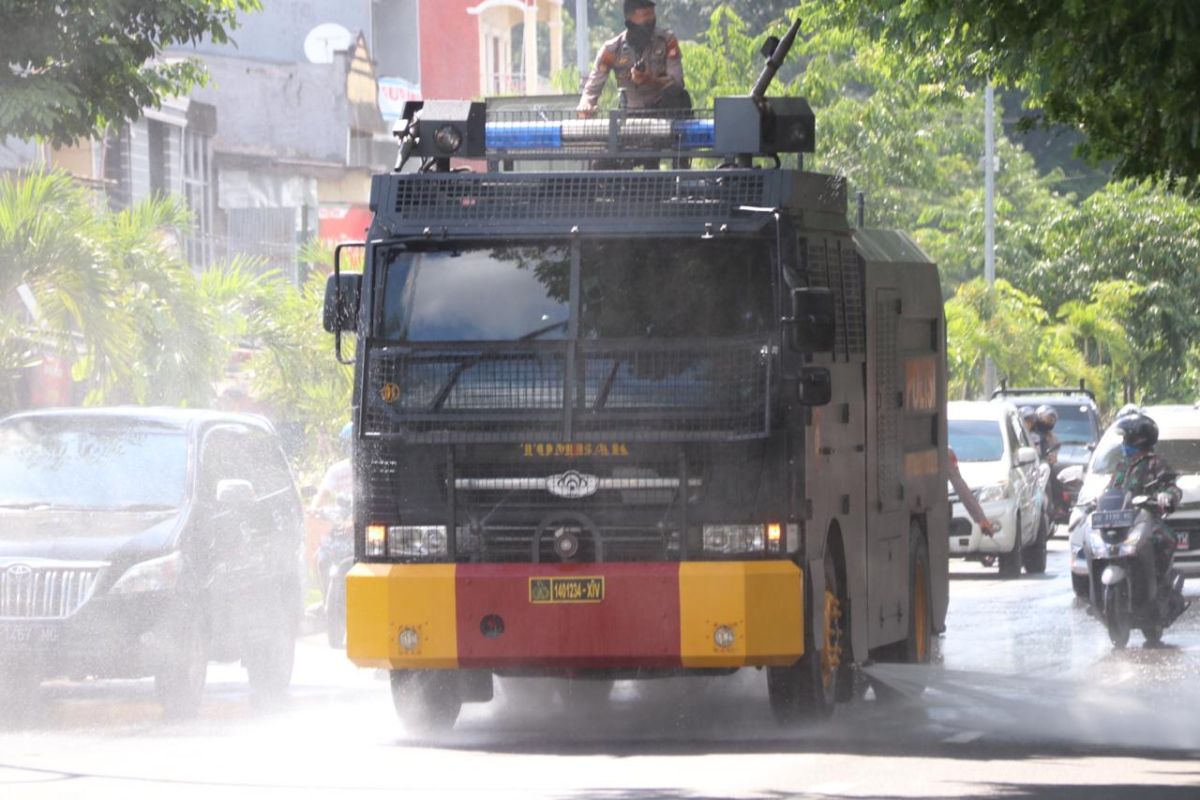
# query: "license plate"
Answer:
x=546 y=591
x=1114 y=519
x=21 y=635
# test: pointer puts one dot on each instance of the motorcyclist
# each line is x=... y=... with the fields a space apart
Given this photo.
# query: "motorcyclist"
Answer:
x=1141 y=471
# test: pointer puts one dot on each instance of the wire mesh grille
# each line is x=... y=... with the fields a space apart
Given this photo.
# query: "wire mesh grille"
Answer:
x=528 y=391
x=520 y=199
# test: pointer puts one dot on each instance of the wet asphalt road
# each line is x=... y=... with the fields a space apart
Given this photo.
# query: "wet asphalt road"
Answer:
x=1028 y=700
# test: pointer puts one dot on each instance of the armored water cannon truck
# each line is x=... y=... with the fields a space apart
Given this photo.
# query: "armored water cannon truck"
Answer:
x=618 y=423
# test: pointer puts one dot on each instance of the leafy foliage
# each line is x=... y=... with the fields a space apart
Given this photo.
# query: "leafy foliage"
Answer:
x=70 y=67
x=1125 y=72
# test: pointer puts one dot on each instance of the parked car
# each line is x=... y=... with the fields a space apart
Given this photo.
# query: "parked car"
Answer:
x=146 y=542
x=1179 y=444
x=1001 y=467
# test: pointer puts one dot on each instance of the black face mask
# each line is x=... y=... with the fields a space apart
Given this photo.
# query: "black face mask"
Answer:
x=640 y=35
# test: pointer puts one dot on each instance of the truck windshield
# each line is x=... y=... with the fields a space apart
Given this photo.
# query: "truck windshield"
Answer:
x=628 y=289
x=107 y=467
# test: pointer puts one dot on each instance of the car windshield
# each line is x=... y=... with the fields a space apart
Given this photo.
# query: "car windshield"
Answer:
x=976 y=439
x=92 y=466
x=1183 y=455
x=627 y=289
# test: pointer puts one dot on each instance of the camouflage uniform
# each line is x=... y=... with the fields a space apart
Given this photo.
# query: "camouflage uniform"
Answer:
x=1146 y=473
x=663 y=63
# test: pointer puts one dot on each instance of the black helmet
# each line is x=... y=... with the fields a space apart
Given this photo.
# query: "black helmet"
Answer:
x=633 y=5
x=1138 y=430
x=1047 y=415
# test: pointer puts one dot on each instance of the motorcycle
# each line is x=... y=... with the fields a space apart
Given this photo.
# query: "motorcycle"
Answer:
x=335 y=558
x=1124 y=571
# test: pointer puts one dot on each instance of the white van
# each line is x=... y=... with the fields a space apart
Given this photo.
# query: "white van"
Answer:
x=1001 y=467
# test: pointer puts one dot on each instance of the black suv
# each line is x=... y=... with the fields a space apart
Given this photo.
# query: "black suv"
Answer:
x=139 y=542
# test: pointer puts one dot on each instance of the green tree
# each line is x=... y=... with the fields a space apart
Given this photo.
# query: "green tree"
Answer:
x=73 y=66
x=1140 y=234
x=1124 y=72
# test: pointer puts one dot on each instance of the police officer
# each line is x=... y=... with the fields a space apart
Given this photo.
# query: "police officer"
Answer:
x=647 y=63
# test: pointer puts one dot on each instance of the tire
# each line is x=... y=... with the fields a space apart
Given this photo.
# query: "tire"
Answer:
x=180 y=683
x=917 y=646
x=1116 y=617
x=270 y=661
x=1082 y=586
x=1153 y=634
x=1034 y=556
x=426 y=700
x=1010 y=563
x=809 y=689
x=19 y=691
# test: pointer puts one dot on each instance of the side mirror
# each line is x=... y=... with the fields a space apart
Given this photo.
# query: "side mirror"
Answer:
x=1026 y=456
x=816 y=387
x=235 y=493
x=770 y=46
x=343 y=293
x=814 y=321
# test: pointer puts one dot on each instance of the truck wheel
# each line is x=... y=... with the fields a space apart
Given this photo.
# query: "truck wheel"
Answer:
x=426 y=700
x=180 y=683
x=1153 y=634
x=808 y=690
x=1082 y=586
x=270 y=661
x=1010 y=563
x=1034 y=556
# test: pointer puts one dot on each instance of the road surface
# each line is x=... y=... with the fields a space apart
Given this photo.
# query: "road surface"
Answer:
x=1028 y=700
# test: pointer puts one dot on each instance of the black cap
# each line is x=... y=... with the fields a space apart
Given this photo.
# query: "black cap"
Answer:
x=634 y=5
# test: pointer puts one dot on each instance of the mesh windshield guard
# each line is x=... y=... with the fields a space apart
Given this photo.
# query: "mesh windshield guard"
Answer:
x=593 y=391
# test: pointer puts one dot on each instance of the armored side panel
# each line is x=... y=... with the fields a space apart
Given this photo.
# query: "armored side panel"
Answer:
x=906 y=412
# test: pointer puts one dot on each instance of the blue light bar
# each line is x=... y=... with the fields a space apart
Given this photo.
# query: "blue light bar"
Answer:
x=687 y=134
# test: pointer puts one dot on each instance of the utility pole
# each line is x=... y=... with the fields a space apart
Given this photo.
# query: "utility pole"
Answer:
x=989 y=216
x=583 y=45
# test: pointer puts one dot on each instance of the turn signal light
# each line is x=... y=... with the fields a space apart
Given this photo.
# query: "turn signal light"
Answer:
x=376 y=541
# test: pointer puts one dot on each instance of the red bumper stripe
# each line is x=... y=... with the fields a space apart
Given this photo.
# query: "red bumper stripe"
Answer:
x=637 y=624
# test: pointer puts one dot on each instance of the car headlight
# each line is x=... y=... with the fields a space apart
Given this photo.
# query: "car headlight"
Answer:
x=993 y=493
x=417 y=541
x=155 y=575
x=728 y=540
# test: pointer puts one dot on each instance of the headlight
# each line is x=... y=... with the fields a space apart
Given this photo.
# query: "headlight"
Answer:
x=990 y=494
x=417 y=541
x=155 y=575
x=728 y=540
